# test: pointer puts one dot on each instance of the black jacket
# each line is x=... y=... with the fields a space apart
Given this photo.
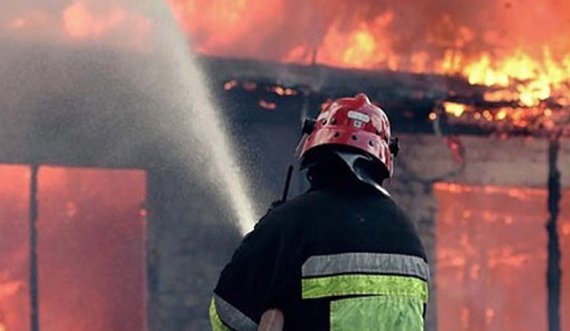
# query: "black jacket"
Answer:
x=271 y=267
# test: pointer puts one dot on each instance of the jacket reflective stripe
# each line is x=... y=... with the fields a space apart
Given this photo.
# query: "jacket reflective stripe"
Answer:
x=377 y=313
x=215 y=321
x=229 y=315
x=376 y=263
x=343 y=285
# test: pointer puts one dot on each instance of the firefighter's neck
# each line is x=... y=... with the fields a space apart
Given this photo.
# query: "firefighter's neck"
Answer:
x=320 y=181
x=341 y=178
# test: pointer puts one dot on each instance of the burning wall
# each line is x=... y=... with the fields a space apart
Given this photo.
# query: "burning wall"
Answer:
x=14 y=199
x=91 y=249
x=492 y=259
x=426 y=161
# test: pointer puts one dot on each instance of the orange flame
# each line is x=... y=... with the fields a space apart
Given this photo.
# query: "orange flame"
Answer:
x=80 y=22
x=363 y=47
x=534 y=80
x=115 y=24
x=84 y=20
x=496 y=45
x=34 y=20
x=491 y=44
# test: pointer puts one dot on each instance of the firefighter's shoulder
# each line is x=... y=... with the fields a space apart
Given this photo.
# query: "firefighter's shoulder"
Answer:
x=281 y=212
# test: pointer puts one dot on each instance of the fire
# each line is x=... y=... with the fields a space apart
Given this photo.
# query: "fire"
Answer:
x=14 y=182
x=491 y=43
x=111 y=22
x=80 y=22
x=364 y=47
x=16 y=24
x=77 y=216
x=267 y=105
x=491 y=256
x=33 y=19
x=215 y=26
x=534 y=80
x=526 y=78
x=9 y=287
x=525 y=70
x=456 y=109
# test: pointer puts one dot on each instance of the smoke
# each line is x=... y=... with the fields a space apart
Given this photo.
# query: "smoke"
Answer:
x=273 y=29
x=114 y=84
x=65 y=60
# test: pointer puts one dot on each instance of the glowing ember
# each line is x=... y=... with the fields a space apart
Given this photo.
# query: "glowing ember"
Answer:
x=267 y=105
x=282 y=91
x=455 y=109
x=230 y=85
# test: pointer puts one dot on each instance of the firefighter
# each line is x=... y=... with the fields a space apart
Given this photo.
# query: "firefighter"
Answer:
x=341 y=256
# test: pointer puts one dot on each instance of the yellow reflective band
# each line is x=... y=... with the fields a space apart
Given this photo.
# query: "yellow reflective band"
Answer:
x=342 y=285
x=215 y=320
x=383 y=313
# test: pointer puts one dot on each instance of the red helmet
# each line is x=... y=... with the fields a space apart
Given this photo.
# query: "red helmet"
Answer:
x=354 y=122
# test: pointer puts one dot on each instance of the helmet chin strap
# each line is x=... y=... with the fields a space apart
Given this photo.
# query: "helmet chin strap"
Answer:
x=302 y=141
x=351 y=160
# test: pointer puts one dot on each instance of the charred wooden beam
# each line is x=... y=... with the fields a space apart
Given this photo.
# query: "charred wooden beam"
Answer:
x=332 y=81
x=554 y=272
x=34 y=271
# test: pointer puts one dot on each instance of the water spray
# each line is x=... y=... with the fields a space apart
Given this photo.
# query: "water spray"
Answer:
x=203 y=118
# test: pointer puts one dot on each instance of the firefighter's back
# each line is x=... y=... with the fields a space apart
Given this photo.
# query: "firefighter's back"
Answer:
x=361 y=265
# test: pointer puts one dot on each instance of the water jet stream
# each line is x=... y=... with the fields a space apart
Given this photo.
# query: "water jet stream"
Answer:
x=202 y=118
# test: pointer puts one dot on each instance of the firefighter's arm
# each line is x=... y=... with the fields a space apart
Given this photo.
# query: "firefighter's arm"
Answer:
x=246 y=293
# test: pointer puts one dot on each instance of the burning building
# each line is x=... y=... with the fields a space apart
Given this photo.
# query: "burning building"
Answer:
x=111 y=219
